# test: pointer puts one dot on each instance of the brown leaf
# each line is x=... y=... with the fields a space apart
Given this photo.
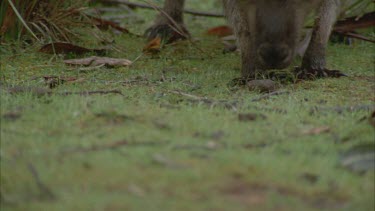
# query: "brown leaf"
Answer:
x=153 y=46
x=106 y=24
x=65 y=48
x=96 y=61
x=317 y=130
x=250 y=117
x=220 y=31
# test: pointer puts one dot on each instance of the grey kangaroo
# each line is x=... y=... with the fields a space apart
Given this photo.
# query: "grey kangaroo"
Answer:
x=268 y=32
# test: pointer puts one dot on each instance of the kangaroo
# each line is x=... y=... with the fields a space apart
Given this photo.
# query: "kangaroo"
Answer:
x=267 y=32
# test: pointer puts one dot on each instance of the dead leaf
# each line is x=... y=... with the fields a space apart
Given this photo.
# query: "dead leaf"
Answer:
x=317 y=130
x=106 y=24
x=220 y=31
x=153 y=46
x=65 y=48
x=96 y=61
x=250 y=117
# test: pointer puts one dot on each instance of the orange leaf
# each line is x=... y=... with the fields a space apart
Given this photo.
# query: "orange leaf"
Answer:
x=105 y=24
x=220 y=31
x=153 y=46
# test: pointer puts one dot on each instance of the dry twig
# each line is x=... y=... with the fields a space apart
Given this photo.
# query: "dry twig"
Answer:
x=42 y=92
x=45 y=191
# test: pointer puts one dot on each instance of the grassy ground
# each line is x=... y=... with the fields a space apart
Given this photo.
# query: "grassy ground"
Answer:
x=152 y=149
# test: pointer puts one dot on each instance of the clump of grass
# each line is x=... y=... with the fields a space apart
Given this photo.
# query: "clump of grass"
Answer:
x=41 y=19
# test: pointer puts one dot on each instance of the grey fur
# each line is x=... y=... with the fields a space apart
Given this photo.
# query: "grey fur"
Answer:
x=268 y=31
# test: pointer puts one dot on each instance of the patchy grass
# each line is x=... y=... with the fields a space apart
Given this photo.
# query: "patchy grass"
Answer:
x=152 y=149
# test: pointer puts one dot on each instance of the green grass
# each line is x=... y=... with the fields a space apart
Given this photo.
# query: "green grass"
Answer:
x=182 y=155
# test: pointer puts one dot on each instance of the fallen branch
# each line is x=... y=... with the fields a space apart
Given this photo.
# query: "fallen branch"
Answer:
x=42 y=91
x=355 y=35
x=353 y=23
x=145 y=6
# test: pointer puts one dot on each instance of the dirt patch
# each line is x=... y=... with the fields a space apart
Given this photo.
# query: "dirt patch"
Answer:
x=247 y=117
x=253 y=194
x=249 y=194
x=365 y=78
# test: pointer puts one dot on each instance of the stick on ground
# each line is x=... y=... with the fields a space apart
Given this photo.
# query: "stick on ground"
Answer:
x=45 y=191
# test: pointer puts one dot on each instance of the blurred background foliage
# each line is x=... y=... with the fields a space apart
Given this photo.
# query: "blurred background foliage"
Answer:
x=55 y=20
